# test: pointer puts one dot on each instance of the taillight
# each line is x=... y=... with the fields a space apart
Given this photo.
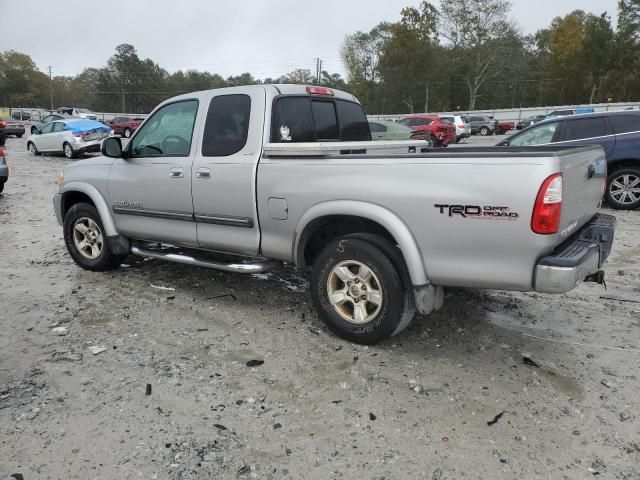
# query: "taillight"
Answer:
x=319 y=90
x=548 y=207
x=461 y=126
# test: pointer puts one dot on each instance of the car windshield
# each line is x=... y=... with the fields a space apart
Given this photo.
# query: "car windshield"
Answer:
x=538 y=135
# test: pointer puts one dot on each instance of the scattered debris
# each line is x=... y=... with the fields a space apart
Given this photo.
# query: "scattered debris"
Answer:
x=495 y=419
x=18 y=476
x=437 y=474
x=65 y=356
x=372 y=416
x=96 y=350
x=148 y=390
x=255 y=363
x=566 y=342
x=244 y=470
x=166 y=289
x=531 y=363
x=619 y=299
x=219 y=427
x=223 y=296
x=314 y=330
x=445 y=439
x=597 y=467
x=277 y=426
x=60 y=331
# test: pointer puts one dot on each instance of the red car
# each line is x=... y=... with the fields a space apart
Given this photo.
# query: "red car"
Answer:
x=442 y=132
x=124 y=126
x=504 y=127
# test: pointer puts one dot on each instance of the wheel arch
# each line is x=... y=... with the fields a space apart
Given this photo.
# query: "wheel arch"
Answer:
x=614 y=165
x=337 y=218
x=76 y=192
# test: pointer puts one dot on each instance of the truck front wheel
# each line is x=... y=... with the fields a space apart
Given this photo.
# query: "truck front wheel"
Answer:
x=86 y=240
x=358 y=291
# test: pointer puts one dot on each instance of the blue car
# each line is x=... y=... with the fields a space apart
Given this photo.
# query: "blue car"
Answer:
x=617 y=132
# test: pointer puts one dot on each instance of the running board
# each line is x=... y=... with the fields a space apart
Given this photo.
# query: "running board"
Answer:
x=254 y=267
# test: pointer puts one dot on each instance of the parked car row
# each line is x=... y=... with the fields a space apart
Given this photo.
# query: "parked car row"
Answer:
x=441 y=131
x=10 y=126
x=617 y=132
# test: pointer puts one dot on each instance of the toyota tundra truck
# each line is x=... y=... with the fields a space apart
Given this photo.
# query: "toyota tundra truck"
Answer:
x=244 y=179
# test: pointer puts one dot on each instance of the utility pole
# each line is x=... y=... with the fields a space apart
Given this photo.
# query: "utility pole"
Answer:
x=122 y=90
x=318 y=70
x=50 y=87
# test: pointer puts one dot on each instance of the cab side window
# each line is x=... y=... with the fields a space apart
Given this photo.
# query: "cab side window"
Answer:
x=168 y=132
x=227 y=125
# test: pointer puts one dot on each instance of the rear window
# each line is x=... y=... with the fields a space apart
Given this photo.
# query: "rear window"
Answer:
x=562 y=112
x=353 y=122
x=302 y=119
x=583 y=128
x=324 y=114
x=227 y=125
x=377 y=128
x=447 y=120
x=416 y=122
x=625 y=123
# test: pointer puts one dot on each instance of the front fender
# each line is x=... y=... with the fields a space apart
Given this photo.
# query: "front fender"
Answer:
x=97 y=199
x=376 y=213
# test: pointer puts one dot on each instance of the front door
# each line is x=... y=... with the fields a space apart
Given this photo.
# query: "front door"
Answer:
x=44 y=140
x=224 y=173
x=150 y=189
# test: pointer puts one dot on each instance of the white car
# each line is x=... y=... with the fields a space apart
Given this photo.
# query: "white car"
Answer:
x=463 y=129
x=78 y=112
x=71 y=137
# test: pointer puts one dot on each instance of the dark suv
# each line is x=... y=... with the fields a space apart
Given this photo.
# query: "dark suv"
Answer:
x=617 y=132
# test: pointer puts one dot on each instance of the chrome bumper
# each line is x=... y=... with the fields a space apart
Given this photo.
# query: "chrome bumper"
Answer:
x=581 y=256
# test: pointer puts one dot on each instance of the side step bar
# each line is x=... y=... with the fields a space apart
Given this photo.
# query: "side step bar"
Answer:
x=254 y=267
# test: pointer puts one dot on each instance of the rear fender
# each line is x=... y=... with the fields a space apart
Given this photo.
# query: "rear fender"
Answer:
x=374 y=213
x=97 y=199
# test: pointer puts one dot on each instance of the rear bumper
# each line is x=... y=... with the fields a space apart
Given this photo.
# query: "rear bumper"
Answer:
x=582 y=255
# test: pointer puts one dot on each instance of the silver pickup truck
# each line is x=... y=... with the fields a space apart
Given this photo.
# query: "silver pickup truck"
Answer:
x=242 y=179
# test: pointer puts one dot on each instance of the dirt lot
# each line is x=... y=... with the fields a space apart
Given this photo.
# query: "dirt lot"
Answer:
x=171 y=397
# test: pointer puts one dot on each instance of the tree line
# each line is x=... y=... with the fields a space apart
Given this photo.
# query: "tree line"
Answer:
x=465 y=55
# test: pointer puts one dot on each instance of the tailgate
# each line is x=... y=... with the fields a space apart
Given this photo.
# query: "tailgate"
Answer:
x=584 y=173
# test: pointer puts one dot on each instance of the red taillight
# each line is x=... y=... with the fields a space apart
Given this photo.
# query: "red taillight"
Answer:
x=319 y=90
x=461 y=126
x=548 y=207
x=3 y=124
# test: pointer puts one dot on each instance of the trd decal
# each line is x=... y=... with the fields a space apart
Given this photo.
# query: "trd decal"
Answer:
x=477 y=212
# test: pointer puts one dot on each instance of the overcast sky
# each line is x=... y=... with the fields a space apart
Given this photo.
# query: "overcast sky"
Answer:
x=264 y=37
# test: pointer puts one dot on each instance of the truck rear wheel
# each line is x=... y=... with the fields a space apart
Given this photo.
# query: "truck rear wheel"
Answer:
x=86 y=240
x=358 y=290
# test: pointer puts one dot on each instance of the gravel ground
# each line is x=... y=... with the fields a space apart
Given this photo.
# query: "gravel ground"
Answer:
x=469 y=392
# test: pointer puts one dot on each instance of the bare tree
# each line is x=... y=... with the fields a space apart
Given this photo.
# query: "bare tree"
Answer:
x=479 y=31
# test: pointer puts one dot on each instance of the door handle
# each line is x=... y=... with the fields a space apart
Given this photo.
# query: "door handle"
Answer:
x=203 y=173
x=176 y=172
x=591 y=171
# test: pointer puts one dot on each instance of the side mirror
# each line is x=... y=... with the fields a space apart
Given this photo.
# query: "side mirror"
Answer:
x=111 y=147
x=506 y=143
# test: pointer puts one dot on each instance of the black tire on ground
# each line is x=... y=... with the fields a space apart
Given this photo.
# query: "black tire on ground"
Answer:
x=32 y=148
x=1 y=186
x=68 y=151
x=623 y=189
x=126 y=133
x=394 y=254
x=360 y=311
x=484 y=131
x=84 y=214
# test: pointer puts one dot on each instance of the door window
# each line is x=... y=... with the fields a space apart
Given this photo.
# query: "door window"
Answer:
x=58 y=126
x=48 y=128
x=540 y=135
x=582 y=128
x=377 y=128
x=168 y=132
x=227 y=125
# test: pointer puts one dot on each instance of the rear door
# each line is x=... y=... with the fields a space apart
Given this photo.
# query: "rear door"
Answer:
x=224 y=172
x=56 y=137
x=150 y=189
x=588 y=131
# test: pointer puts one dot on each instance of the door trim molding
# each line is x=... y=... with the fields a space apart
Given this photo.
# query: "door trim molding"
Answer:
x=187 y=217
x=226 y=220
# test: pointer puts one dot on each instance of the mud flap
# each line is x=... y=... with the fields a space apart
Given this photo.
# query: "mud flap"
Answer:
x=428 y=298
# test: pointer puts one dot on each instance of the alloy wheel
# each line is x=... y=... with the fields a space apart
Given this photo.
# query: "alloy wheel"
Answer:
x=87 y=237
x=355 y=292
x=625 y=189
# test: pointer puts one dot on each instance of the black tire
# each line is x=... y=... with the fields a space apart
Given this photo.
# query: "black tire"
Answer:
x=1 y=186
x=105 y=260
x=395 y=255
x=484 y=131
x=67 y=149
x=386 y=318
x=35 y=149
x=616 y=182
x=127 y=133
x=434 y=141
